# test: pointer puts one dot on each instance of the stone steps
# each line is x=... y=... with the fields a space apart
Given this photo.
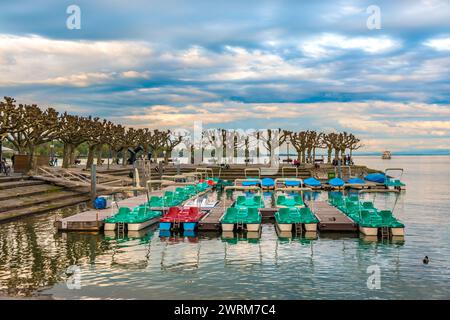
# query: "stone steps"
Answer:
x=43 y=207
x=20 y=183
x=27 y=191
x=29 y=201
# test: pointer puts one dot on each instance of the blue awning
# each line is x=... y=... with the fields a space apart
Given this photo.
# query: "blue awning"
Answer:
x=291 y=183
x=356 y=181
x=267 y=182
x=313 y=182
x=375 y=177
x=336 y=182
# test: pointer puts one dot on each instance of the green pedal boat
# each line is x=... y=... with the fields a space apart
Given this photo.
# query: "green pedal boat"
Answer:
x=244 y=213
x=138 y=218
x=246 y=218
x=287 y=217
x=243 y=202
x=370 y=220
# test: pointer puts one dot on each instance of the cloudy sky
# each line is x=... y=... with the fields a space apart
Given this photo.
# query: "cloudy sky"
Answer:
x=239 y=64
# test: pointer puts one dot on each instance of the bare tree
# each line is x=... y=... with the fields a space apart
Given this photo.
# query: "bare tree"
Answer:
x=353 y=143
x=272 y=140
x=116 y=140
x=328 y=141
x=72 y=132
x=37 y=127
x=98 y=133
x=299 y=142
x=172 y=139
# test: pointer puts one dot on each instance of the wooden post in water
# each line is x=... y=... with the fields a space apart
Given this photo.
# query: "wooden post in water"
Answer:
x=93 y=182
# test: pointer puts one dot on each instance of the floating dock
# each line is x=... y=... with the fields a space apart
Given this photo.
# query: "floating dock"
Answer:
x=330 y=218
x=211 y=221
x=92 y=220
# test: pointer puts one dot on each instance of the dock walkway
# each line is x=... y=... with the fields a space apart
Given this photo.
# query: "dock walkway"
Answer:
x=211 y=221
x=330 y=218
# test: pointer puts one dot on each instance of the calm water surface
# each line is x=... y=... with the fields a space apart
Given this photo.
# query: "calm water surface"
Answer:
x=34 y=257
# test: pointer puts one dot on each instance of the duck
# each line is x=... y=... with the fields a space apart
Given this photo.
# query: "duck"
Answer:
x=426 y=260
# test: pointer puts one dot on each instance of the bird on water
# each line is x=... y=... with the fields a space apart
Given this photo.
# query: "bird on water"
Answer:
x=426 y=260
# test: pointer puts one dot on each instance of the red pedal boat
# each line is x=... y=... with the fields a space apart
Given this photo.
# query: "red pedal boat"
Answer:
x=173 y=219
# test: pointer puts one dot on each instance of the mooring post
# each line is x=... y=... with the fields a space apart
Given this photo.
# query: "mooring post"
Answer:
x=93 y=183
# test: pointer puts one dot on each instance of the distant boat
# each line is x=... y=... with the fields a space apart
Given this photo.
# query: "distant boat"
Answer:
x=386 y=155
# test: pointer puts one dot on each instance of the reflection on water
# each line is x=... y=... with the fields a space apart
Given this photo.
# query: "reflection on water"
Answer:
x=150 y=264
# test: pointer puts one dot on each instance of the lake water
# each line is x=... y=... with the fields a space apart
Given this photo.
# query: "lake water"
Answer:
x=34 y=257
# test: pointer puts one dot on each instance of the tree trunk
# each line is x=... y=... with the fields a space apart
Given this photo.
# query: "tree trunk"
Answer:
x=224 y=150
x=113 y=156
x=257 y=147
x=330 y=152
x=72 y=154
x=192 y=154
x=65 y=163
x=342 y=153
x=155 y=156
x=31 y=163
x=169 y=153
x=336 y=153
x=314 y=155
x=299 y=154
x=124 y=156
x=99 y=150
x=90 y=158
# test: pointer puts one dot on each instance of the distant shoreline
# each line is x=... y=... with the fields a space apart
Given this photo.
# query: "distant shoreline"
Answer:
x=402 y=154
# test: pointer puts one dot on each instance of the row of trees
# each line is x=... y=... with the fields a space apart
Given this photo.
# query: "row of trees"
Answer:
x=27 y=126
x=228 y=143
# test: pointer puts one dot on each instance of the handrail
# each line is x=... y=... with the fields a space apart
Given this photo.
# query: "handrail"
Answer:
x=290 y=168
x=205 y=171
x=288 y=179
x=243 y=188
x=293 y=189
x=252 y=169
x=376 y=191
x=176 y=176
x=393 y=169
x=248 y=180
x=395 y=191
x=342 y=167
